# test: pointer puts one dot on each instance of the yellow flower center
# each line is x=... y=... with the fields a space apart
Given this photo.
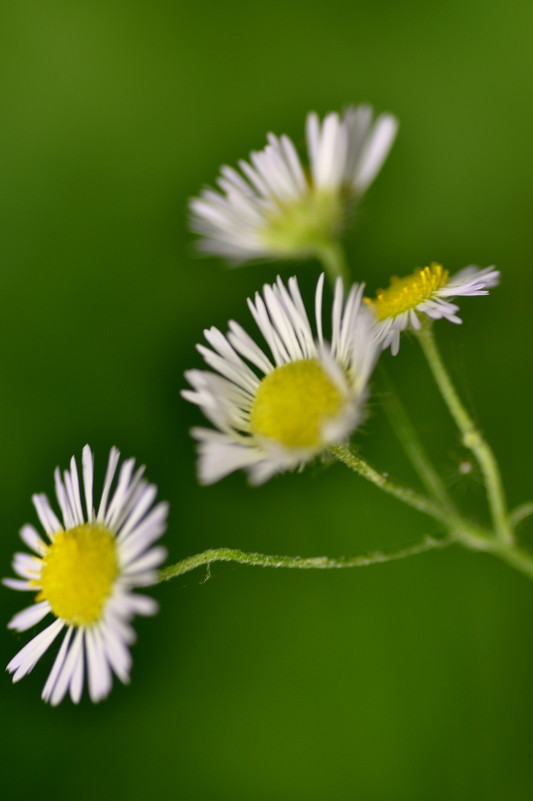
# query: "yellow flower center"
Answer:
x=404 y=294
x=293 y=402
x=306 y=224
x=79 y=569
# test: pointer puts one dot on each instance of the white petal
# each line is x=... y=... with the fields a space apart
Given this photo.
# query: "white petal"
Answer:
x=73 y=489
x=141 y=605
x=318 y=308
x=116 y=651
x=77 y=654
x=26 y=659
x=375 y=151
x=313 y=138
x=147 y=578
x=262 y=471
x=58 y=666
x=98 y=673
x=145 y=534
x=30 y=616
x=134 y=492
x=70 y=671
x=16 y=584
x=27 y=566
x=88 y=478
x=49 y=521
x=218 y=459
x=244 y=343
x=115 y=617
x=153 y=558
x=121 y=494
x=114 y=456
x=142 y=505
x=30 y=536
x=69 y=519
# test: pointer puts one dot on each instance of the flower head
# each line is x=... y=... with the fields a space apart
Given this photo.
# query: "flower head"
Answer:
x=427 y=291
x=278 y=208
x=276 y=412
x=84 y=574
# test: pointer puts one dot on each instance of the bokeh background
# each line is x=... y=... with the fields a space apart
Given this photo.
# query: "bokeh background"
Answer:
x=404 y=682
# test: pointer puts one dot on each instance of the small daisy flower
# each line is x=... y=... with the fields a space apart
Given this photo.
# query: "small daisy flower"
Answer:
x=278 y=208
x=275 y=412
x=84 y=574
x=427 y=291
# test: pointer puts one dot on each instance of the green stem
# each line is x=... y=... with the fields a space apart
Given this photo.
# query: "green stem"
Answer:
x=321 y=562
x=471 y=536
x=516 y=557
x=512 y=554
x=334 y=261
x=521 y=512
x=468 y=536
x=472 y=438
x=405 y=494
x=409 y=439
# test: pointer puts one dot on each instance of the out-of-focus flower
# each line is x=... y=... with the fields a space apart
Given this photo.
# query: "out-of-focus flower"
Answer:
x=276 y=207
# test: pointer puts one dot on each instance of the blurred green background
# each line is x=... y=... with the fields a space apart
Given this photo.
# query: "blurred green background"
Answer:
x=404 y=682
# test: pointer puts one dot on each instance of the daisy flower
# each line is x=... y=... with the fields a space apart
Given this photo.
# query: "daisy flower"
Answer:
x=427 y=291
x=275 y=411
x=276 y=207
x=84 y=573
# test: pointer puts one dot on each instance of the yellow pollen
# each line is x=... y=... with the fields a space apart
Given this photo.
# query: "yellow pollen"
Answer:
x=79 y=569
x=293 y=402
x=404 y=294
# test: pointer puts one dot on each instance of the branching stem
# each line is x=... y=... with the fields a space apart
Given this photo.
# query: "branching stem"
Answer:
x=413 y=447
x=438 y=506
x=472 y=437
x=419 y=502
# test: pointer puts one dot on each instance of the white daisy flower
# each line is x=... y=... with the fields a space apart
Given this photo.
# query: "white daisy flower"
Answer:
x=277 y=411
x=84 y=574
x=278 y=208
x=427 y=291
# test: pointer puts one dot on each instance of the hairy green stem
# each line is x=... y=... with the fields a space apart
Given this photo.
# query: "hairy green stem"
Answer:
x=468 y=536
x=405 y=494
x=459 y=530
x=472 y=438
x=334 y=261
x=298 y=562
x=409 y=439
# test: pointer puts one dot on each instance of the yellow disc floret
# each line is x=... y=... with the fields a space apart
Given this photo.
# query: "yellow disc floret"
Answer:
x=293 y=402
x=405 y=294
x=79 y=569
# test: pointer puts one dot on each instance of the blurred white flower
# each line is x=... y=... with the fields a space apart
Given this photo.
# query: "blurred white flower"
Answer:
x=278 y=208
